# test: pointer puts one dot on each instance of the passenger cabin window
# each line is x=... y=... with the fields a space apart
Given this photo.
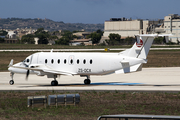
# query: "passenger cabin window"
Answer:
x=58 y=61
x=64 y=61
x=84 y=61
x=52 y=61
x=71 y=61
x=45 y=60
x=77 y=61
x=90 y=61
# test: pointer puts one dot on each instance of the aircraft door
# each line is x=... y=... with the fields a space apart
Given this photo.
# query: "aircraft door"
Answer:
x=34 y=58
x=71 y=60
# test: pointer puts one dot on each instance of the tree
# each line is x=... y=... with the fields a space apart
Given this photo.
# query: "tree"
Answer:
x=52 y=37
x=3 y=33
x=42 y=35
x=100 y=32
x=29 y=38
x=66 y=37
x=114 y=39
x=63 y=41
x=2 y=40
x=95 y=36
x=43 y=39
x=159 y=40
x=39 y=30
x=68 y=34
x=129 y=40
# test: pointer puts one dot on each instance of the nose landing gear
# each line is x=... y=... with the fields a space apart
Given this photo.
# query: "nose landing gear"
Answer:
x=11 y=82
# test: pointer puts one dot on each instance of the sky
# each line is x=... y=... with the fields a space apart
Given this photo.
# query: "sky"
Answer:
x=88 y=11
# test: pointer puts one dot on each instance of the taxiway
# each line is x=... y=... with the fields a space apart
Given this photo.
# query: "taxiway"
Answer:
x=149 y=79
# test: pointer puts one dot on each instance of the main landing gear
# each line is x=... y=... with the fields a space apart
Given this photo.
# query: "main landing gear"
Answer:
x=11 y=82
x=54 y=82
x=87 y=81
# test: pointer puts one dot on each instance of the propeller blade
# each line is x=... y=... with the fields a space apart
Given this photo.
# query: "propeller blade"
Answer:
x=27 y=74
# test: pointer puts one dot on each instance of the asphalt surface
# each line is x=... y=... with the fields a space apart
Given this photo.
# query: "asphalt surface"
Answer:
x=149 y=79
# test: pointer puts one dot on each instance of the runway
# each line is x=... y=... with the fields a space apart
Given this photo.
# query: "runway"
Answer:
x=149 y=79
x=80 y=50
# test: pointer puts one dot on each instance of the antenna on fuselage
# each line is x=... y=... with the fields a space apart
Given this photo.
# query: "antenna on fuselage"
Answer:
x=51 y=50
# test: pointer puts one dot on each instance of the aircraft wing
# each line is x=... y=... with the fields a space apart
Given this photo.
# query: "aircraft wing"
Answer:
x=45 y=69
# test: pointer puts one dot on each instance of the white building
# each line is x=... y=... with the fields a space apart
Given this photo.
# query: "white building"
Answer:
x=124 y=28
x=11 y=34
x=129 y=28
x=172 y=26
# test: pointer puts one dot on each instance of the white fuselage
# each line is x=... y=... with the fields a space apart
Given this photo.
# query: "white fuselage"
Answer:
x=82 y=63
x=79 y=63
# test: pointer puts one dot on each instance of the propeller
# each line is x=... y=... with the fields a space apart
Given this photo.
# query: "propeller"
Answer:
x=27 y=74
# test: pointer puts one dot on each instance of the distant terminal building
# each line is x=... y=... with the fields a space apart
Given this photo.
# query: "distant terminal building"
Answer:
x=128 y=27
x=172 y=26
x=123 y=27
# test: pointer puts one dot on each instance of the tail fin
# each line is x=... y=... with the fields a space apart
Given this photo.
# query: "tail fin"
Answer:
x=142 y=46
x=139 y=51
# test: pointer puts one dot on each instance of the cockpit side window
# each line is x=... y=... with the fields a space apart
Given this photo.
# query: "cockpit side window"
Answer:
x=27 y=60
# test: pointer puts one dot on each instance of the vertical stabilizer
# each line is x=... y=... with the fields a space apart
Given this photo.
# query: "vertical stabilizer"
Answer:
x=142 y=46
x=139 y=51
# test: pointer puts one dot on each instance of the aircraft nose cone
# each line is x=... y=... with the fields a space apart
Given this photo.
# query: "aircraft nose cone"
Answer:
x=10 y=68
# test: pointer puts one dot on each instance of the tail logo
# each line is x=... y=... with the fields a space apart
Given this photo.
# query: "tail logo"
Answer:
x=140 y=43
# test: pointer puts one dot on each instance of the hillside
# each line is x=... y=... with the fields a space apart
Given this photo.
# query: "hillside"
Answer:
x=47 y=24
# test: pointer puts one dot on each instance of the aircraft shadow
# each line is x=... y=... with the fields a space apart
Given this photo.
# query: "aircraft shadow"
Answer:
x=83 y=85
x=101 y=84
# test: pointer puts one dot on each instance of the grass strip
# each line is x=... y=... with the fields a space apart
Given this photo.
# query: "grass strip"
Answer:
x=13 y=105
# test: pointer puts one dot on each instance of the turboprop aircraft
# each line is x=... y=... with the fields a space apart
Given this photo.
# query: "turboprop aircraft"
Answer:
x=85 y=64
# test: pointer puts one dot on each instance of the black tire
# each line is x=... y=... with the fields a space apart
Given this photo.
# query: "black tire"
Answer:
x=11 y=82
x=54 y=83
x=87 y=81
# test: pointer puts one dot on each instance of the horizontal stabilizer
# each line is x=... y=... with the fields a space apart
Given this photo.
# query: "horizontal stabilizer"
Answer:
x=134 y=68
x=125 y=66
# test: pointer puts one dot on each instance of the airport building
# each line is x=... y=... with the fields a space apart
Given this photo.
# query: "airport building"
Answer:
x=172 y=26
x=123 y=27
x=128 y=27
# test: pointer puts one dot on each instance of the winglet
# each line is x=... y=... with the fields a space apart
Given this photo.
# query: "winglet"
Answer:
x=11 y=63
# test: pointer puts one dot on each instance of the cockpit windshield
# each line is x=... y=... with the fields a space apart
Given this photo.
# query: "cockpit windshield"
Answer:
x=27 y=60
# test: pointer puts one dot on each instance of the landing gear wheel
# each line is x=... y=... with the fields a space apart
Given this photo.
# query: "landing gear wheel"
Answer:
x=11 y=82
x=87 y=81
x=54 y=83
